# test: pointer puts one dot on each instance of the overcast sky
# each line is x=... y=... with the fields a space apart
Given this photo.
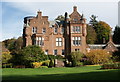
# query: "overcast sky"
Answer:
x=13 y=13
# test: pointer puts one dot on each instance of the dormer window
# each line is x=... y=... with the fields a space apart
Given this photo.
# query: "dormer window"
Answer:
x=34 y=30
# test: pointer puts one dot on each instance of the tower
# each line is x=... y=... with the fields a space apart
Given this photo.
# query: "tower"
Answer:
x=75 y=32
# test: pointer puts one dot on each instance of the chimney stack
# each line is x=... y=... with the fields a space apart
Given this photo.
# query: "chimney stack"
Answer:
x=39 y=15
x=75 y=8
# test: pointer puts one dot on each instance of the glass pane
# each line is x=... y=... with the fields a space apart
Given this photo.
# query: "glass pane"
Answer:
x=55 y=52
x=78 y=38
x=60 y=43
x=60 y=39
x=36 y=38
x=73 y=38
x=73 y=42
x=76 y=42
x=56 y=39
x=56 y=43
x=40 y=38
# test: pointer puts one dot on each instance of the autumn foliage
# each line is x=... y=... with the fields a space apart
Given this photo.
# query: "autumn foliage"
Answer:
x=98 y=56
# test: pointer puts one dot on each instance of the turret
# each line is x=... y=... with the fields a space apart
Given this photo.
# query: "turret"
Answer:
x=83 y=21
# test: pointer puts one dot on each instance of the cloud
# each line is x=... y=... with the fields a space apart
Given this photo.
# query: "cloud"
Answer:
x=13 y=23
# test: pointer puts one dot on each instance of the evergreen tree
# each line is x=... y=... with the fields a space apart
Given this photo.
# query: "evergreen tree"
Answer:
x=91 y=35
x=116 y=35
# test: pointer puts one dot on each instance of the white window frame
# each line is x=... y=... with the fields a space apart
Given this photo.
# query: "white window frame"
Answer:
x=40 y=41
x=59 y=41
x=76 y=29
x=76 y=41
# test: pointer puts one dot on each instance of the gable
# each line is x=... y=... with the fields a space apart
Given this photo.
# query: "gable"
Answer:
x=110 y=46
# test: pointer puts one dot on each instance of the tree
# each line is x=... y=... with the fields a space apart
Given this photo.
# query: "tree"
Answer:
x=13 y=45
x=98 y=56
x=103 y=31
x=93 y=20
x=91 y=35
x=9 y=44
x=60 y=18
x=6 y=56
x=32 y=53
x=116 y=35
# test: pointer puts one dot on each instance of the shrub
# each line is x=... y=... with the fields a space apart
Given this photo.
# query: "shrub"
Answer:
x=10 y=65
x=51 y=57
x=116 y=56
x=37 y=64
x=32 y=53
x=75 y=57
x=46 y=63
x=6 y=56
x=98 y=56
x=79 y=64
x=59 y=57
x=111 y=65
x=51 y=64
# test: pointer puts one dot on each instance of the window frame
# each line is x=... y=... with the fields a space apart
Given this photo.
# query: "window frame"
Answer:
x=59 y=41
x=76 y=41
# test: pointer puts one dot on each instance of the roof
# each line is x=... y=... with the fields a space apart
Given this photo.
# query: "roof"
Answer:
x=55 y=22
x=96 y=46
x=29 y=17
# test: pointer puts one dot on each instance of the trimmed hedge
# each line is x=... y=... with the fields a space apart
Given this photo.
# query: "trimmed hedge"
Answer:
x=111 y=66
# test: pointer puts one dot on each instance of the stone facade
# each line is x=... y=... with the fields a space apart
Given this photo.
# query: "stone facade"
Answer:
x=49 y=35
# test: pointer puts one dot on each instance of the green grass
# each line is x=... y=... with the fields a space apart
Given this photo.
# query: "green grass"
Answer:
x=75 y=73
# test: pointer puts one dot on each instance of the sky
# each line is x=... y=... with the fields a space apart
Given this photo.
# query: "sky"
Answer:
x=13 y=13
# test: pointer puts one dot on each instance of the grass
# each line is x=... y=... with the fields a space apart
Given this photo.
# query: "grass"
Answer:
x=73 y=73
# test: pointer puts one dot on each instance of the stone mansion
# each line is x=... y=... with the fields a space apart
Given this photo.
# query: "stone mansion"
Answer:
x=57 y=37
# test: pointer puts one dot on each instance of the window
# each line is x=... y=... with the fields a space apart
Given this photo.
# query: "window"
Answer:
x=40 y=41
x=76 y=29
x=34 y=30
x=58 y=41
x=55 y=30
x=44 y=30
x=76 y=41
x=75 y=19
x=46 y=52
x=77 y=50
x=63 y=52
x=55 y=52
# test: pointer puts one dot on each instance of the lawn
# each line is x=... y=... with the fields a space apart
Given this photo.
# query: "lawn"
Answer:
x=66 y=73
